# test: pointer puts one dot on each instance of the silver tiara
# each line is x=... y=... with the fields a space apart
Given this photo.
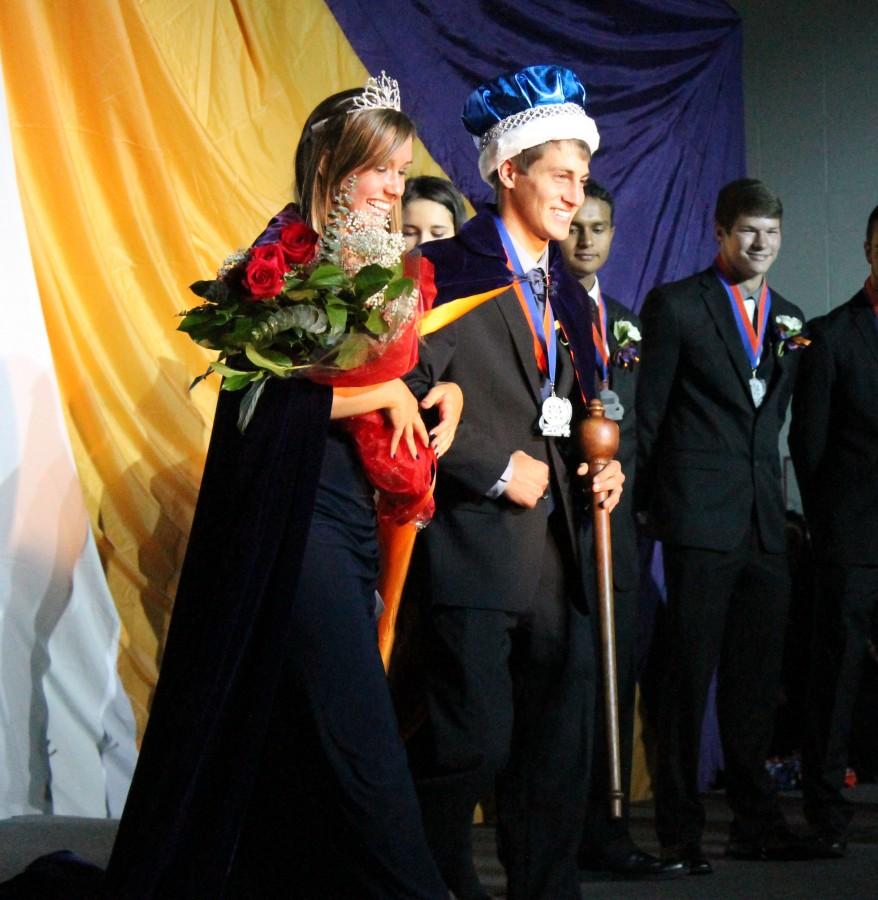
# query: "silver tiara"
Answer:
x=378 y=93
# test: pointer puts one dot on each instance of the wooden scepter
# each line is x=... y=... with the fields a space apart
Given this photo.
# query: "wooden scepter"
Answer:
x=599 y=439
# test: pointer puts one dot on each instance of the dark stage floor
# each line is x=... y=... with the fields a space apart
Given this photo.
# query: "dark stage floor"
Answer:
x=25 y=837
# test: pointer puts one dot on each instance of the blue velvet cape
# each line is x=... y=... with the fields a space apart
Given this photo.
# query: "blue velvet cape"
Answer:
x=474 y=261
x=204 y=740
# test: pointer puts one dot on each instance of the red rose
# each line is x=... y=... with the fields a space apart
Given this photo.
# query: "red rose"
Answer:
x=265 y=271
x=299 y=243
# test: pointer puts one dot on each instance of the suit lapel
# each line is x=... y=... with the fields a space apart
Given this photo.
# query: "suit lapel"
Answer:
x=522 y=338
x=612 y=346
x=865 y=322
x=770 y=357
x=717 y=302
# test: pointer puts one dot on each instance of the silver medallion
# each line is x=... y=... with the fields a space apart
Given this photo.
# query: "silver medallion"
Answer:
x=757 y=390
x=557 y=413
x=613 y=408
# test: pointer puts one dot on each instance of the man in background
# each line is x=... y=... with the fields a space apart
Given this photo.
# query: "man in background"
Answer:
x=715 y=380
x=834 y=445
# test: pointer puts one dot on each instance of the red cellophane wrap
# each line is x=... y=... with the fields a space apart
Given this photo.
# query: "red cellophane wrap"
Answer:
x=404 y=483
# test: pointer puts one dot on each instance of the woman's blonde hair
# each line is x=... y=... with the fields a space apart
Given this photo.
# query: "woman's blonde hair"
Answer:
x=335 y=143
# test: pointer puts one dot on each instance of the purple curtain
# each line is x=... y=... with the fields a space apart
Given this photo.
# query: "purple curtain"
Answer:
x=664 y=84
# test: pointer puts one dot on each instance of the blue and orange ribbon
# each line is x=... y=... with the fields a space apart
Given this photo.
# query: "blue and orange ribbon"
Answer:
x=599 y=334
x=750 y=338
x=541 y=325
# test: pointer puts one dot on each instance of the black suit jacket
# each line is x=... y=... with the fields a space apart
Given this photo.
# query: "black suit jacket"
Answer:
x=834 y=433
x=708 y=460
x=486 y=553
x=624 y=382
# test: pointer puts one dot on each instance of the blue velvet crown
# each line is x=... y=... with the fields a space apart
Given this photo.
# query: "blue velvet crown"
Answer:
x=525 y=109
x=515 y=92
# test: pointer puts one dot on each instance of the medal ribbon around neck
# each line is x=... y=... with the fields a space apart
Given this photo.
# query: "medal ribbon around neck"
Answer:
x=752 y=340
x=872 y=294
x=545 y=351
x=599 y=334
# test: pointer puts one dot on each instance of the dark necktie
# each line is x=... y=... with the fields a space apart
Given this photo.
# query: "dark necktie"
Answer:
x=537 y=279
x=754 y=319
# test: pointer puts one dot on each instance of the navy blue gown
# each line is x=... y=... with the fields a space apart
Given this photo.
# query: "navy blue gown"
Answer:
x=335 y=812
x=271 y=765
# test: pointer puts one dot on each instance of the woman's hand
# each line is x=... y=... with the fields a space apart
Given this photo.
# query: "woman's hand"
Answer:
x=395 y=399
x=610 y=479
x=448 y=398
x=404 y=415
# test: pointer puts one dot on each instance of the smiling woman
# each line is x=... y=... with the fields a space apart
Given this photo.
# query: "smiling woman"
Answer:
x=272 y=756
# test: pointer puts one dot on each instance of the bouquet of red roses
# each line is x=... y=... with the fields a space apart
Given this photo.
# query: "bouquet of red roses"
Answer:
x=340 y=309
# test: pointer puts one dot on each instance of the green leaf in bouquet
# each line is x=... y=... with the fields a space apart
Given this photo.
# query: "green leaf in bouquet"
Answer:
x=371 y=279
x=248 y=403
x=353 y=351
x=307 y=318
x=239 y=334
x=198 y=319
x=397 y=288
x=221 y=368
x=327 y=276
x=292 y=281
x=375 y=323
x=337 y=314
x=329 y=340
x=216 y=291
x=297 y=295
x=202 y=288
x=199 y=378
x=270 y=360
x=241 y=380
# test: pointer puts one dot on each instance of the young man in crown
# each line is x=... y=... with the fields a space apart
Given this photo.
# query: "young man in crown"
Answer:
x=511 y=678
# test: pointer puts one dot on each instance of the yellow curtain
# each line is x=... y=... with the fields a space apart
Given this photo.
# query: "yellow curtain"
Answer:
x=151 y=138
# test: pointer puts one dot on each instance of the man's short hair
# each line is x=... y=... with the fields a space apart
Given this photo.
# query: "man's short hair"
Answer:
x=746 y=197
x=599 y=192
x=870 y=225
x=524 y=160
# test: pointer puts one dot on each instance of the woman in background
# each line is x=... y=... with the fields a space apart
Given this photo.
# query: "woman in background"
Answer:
x=432 y=208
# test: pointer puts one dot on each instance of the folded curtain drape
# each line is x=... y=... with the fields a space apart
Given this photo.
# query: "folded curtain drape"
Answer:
x=664 y=84
x=151 y=139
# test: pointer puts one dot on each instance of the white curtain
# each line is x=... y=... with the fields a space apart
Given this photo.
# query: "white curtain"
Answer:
x=66 y=726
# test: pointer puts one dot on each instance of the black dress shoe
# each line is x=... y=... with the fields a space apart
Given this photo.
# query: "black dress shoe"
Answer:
x=689 y=858
x=825 y=845
x=779 y=845
x=640 y=866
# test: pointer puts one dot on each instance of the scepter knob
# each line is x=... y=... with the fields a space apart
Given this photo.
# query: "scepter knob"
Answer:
x=598 y=435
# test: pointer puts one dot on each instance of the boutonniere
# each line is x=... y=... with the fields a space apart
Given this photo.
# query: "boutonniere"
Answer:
x=627 y=336
x=789 y=334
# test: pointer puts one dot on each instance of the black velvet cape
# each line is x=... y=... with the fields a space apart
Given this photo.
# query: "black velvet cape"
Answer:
x=225 y=649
